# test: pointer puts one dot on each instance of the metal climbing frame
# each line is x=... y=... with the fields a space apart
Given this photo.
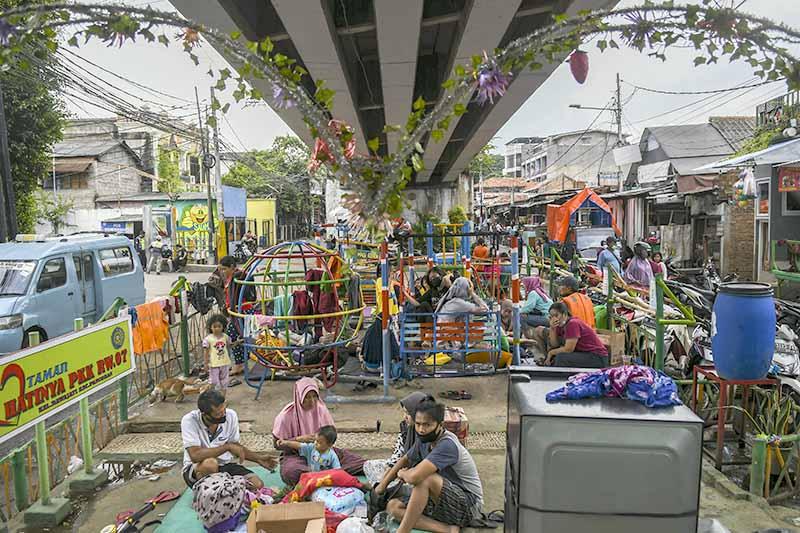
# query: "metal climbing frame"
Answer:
x=469 y=272
x=279 y=340
x=475 y=339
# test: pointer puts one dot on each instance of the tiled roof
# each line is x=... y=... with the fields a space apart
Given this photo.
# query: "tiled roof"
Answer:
x=736 y=130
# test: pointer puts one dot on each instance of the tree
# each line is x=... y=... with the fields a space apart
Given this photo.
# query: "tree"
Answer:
x=35 y=118
x=456 y=215
x=280 y=172
x=486 y=163
x=169 y=178
x=52 y=209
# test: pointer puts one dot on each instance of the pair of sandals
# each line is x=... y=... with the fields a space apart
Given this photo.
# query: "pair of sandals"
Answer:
x=455 y=395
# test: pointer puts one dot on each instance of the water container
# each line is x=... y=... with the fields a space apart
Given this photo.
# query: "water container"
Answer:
x=743 y=330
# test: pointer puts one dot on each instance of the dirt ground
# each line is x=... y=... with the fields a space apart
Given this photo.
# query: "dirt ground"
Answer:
x=486 y=412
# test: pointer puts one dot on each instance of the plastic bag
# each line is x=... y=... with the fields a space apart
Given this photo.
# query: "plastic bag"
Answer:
x=354 y=525
x=342 y=500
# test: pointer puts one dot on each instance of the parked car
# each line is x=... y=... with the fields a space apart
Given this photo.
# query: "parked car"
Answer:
x=45 y=283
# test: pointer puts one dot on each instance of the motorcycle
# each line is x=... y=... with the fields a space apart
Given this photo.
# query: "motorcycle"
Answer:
x=242 y=252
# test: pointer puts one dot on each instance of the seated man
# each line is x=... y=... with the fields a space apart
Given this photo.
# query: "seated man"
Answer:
x=210 y=436
x=446 y=490
x=572 y=342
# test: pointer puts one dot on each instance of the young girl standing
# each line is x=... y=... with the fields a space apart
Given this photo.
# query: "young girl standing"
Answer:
x=217 y=353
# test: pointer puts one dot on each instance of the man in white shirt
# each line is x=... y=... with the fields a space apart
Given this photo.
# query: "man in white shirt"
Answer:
x=211 y=444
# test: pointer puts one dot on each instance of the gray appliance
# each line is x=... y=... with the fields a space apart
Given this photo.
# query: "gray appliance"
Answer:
x=598 y=466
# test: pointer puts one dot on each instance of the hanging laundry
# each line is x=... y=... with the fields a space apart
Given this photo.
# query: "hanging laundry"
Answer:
x=302 y=306
x=152 y=328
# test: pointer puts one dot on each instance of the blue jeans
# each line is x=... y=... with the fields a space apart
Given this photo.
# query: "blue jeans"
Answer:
x=534 y=320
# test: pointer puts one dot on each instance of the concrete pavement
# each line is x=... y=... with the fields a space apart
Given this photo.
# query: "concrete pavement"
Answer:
x=156 y=285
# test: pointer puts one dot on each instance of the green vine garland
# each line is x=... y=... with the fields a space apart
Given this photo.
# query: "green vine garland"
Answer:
x=714 y=32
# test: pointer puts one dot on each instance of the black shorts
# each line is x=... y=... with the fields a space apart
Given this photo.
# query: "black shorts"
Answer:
x=454 y=506
x=234 y=469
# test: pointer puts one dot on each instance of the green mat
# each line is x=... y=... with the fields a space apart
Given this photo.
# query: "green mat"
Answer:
x=184 y=519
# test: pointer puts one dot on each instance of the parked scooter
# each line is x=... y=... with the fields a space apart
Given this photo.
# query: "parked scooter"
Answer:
x=242 y=252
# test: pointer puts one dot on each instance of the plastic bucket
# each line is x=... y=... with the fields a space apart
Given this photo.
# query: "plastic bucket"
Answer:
x=743 y=330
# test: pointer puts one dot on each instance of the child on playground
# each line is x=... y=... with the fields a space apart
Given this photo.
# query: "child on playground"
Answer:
x=217 y=346
x=319 y=454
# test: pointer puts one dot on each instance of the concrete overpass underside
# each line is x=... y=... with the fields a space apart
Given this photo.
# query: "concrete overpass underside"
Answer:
x=380 y=55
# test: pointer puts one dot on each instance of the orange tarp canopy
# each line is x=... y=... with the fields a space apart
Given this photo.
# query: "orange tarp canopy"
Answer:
x=558 y=216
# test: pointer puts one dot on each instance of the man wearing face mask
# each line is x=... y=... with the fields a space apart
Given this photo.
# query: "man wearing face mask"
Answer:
x=446 y=492
x=211 y=444
x=436 y=285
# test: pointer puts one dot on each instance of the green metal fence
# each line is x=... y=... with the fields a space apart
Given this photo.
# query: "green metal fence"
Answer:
x=19 y=472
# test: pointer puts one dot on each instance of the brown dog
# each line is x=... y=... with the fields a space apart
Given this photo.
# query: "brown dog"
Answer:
x=177 y=387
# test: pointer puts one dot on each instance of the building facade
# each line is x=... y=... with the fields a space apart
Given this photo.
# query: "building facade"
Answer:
x=579 y=155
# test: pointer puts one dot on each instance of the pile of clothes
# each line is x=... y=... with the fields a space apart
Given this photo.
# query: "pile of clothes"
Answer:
x=633 y=382
x=224 y=502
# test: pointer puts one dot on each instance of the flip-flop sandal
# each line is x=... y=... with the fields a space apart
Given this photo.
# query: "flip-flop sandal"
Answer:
x=234 y=382
x=450 y=395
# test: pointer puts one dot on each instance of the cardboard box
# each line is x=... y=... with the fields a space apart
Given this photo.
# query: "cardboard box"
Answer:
x=307 y=517
x=615 y=342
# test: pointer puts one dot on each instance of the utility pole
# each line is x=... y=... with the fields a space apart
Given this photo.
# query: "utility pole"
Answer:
x=617 y=110
x=206 y=164
x=8 y=212
x=218 y=172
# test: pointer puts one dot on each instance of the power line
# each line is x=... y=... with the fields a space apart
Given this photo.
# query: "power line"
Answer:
x=685 y=106
x=712 y=91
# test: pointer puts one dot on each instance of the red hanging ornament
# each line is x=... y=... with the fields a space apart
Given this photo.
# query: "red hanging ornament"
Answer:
x=579 y=65
x=322 y=152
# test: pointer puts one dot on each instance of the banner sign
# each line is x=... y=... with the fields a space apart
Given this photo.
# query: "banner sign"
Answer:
x=788 y=179
x=37 y=382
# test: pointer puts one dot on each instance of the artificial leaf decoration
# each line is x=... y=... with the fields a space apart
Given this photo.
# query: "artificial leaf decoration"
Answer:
x=376 y=183
x=579 y=65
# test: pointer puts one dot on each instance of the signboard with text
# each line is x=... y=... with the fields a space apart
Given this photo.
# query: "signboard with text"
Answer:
x=788 y=179
x=37 y=382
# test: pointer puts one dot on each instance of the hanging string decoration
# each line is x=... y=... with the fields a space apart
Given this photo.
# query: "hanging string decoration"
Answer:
x=376 y=181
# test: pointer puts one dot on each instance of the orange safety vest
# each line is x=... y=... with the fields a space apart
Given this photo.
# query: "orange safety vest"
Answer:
x=580 y=306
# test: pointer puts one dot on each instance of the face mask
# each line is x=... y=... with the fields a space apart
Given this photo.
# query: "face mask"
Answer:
x=429 y=437
x=209 y=420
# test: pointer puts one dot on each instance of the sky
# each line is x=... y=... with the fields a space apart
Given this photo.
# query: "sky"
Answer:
x=546 y=112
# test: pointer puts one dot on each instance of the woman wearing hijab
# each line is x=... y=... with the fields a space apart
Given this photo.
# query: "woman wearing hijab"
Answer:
x=299 y=421
x=639 y=271
x=460 y=298
x=375 y=470
x=534 y=311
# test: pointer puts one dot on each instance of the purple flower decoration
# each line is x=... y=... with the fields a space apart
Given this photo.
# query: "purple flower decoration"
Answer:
x=281 y=98
x=492 y=83
x=6 y=31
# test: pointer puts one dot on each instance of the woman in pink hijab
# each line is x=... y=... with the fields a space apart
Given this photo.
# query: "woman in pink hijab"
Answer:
x=299 y=421
x=535 y=308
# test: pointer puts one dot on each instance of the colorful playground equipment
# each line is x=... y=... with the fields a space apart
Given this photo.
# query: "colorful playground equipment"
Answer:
x=298 y=307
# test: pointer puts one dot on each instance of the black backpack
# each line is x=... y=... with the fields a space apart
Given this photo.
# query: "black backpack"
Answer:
x=202 y=297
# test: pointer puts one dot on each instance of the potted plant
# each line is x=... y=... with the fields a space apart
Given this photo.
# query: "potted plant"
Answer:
x=775 y=418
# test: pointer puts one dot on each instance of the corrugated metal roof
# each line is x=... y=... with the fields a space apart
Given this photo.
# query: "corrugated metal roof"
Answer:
x=691 y=140
x=73 y=164
x=82 y=147
x=774 y=155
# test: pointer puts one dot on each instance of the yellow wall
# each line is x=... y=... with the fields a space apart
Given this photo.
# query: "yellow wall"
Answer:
x=261 y=210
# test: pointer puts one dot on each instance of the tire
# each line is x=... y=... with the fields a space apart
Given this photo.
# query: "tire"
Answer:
x=42 y=336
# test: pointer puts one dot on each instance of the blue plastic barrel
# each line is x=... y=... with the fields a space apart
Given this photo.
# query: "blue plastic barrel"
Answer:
x=743 y=330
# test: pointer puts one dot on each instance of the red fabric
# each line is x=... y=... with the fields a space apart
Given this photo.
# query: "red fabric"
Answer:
x=588 y=341
x=332 y=521
x=311 y=481
x=301 y=306
x=558 y=215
